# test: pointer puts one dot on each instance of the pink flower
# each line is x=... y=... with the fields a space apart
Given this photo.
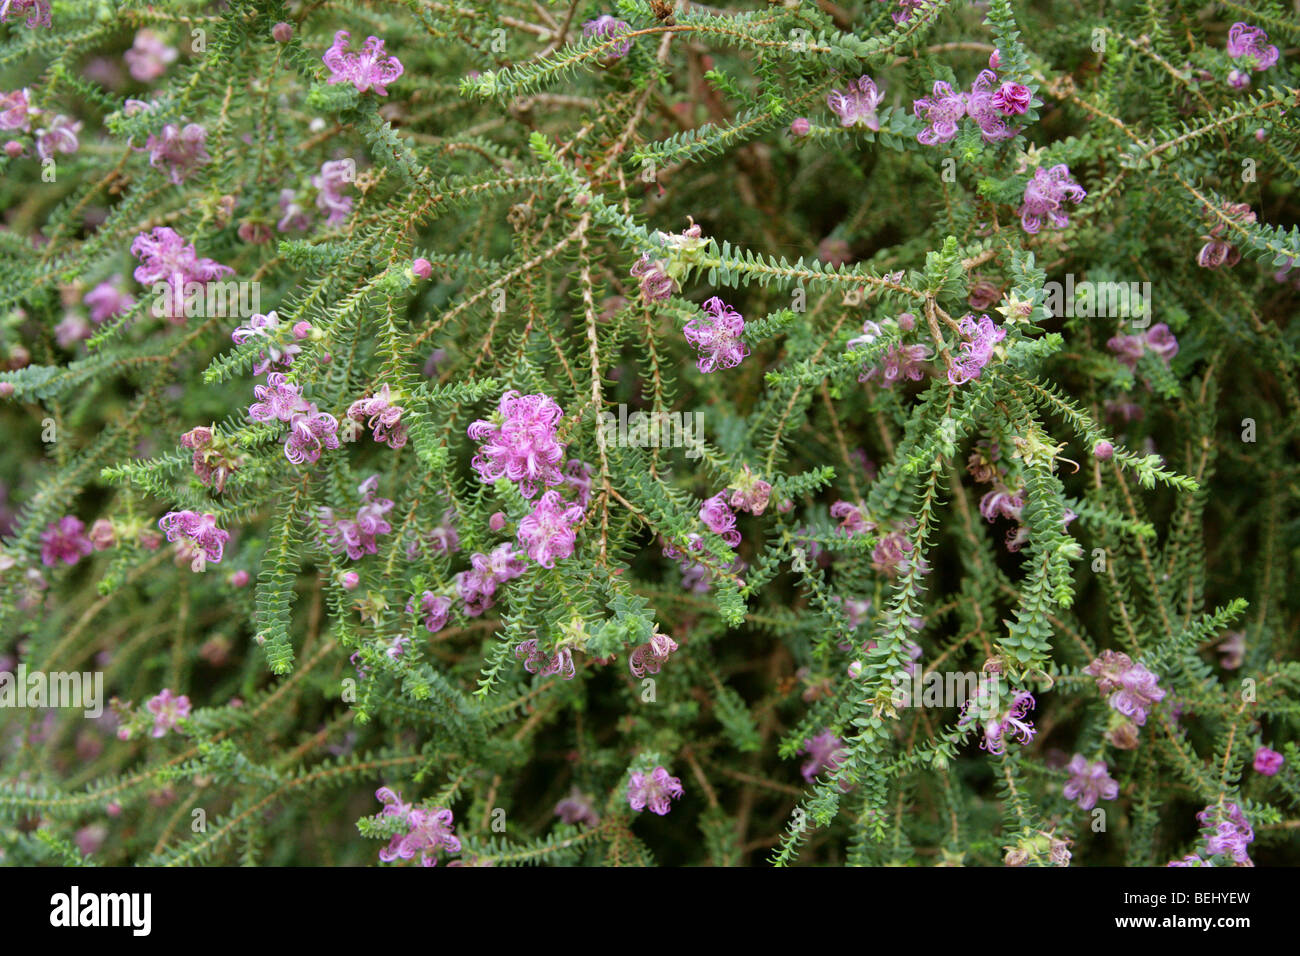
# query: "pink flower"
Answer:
x=716 y=335
x=16 y=110
x=166 y=257
x=436 y=609
x=1133 y=688
x=653 y=791
x=941 y=112
x=59 y=137
x=656 y=284
x=167 y=710
x=856 y=105
x=1012 y=99
x=357 y=536
x=106 y=300
x=311 y=431
x=148 y=57
x=522 y=447
x=382 y=416
x=649 y=657
x=427 y=831
x=548 y=533
x=825 y=751
x=38 y=12
x=180 y=150
x=276 y=400
x=1268 y=762
x=278 y=353
x=1246 y=43
x=200 y=531
x=1044 y=196
x=65 y=540
x=980 y=339
x=368 y=69
x=982 y=106
x=719 y=519
x=330 y=182
x=607 y=26
x=537 y=661
x=1089 y=782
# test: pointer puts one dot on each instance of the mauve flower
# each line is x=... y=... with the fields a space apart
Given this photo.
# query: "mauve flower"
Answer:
x=356 y=536
x=16 y=110
x=199 y=531
x=367 y=69
x=997 y=726
x=311 y=431
x=1232 y=832
x=106 y=300
x=266 y=327
x=716 y=336
x=179 y=150
x=428 y=831
x=901 y=362
x=1133 y=688
x=941 y=112
x=60 y=136
x=167 y=710
x=825 y=751
x=982 y=106
x=333 y=178
x=647 y=658
x=607 y=26
x=166 y=257
x=382 y=415
x=1268 y=762
x=148 y=57
x=653 y=791
x=980 y=339
x=1231 y=650
x=856 y=105
x=1044 y=195
x=1012 y=98
x=652 y=274
x=537 y=661
x=38 y=12
x=477 y=585
x=718 y=517
x=1089 y=782
x=1247 y=43
x=276 y=400
x=65 y=540
x=577 y=808
x=548 y=532
x=435 y=609
x=522 y=447
x=293 y=215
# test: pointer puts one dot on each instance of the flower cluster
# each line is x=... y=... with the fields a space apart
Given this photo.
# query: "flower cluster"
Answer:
x=1045 y=194
x=520 y=443
x=653 y=791
x=717 y=336
x=989 y=104
x=428 y=831
x=196 y=535
x=356 y=536
x=1133 y=689
x=369 y=69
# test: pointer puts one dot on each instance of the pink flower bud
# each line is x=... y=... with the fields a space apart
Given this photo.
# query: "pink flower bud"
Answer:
x=350 y=580
x=497 y=521
x=6 y=389
x=282 y=32
x=13 y=149
x=302 y=330
x=800 y=126
x=422 y=268
x=1103 y=450
x=239 y=579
